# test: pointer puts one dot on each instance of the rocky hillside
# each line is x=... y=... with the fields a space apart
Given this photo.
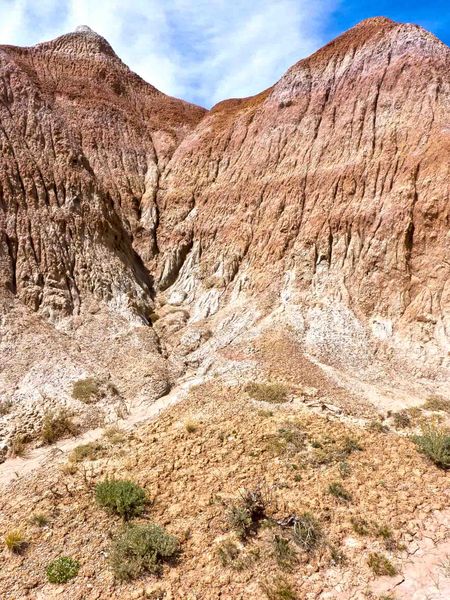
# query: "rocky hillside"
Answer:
x=291 y=248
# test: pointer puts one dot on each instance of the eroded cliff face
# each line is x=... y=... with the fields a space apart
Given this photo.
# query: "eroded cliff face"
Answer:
x=321 y=204
x=331 y=189
x=83 y=141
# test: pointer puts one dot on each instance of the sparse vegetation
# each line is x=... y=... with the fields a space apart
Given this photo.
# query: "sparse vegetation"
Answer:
x=141 y=548
x=245 y=516
x=437 y=403
x=279 y=589
x=289 y=439
x=337 y=555
x=380 y=565
x=5 y=407
x=344 y=469
x=57 y=425
x=284 y=552
x=401 y=419
x=17 y=446
x=307 y=532
x=377 y=426
x=276 y=393
x=229 y=553
x=89 y=451
x=62 y=569
x=434 y=442
x=337 y=490
x=86 y=390
x=15 y=541
x=360 y=526
x=121 y=497
x=114 y=435
x=39 y=519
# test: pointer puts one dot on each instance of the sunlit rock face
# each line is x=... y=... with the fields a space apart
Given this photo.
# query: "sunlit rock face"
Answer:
x=323 y=200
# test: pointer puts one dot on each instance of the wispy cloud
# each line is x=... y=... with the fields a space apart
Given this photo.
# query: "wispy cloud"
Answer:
x=204 y=50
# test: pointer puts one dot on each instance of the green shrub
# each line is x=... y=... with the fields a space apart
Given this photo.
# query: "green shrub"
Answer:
x=307 y=532
x=15 y=541
x=245 y=516
x=62 y=569
x=435 y=444
x=86 y=390
x=276 y=393
x=380 y=565
x=141 y=548
x=57 y=425
x=337 y=490
x=121 y=497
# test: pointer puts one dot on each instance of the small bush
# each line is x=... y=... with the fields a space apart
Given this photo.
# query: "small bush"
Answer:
x=114 y=435
x=62 y=569
x=401 y=419
x=245 y=516
x=89 y=451
x=337 y=490
x=307 y=532
x=276 y=393
x=57 y=425
x=240 y=520
x=384 y=531
x=437 y=403
x=279 y=589
x=15 y=541
x=377 y=426
x=121 y=497
x=344 y=469
x=435 y=444
x=86 y=390
x=284 y=553
x=360 y=526
x=141 y=548
x=39 y=519
x=380 y=565
x=337 y=556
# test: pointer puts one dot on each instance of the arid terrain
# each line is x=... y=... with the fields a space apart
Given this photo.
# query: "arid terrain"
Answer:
x=225 y=334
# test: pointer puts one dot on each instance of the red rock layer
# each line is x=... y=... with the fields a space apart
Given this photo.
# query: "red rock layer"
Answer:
x=82 y=143
x=339 y=173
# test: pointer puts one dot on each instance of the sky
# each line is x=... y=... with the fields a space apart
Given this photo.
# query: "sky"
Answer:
x=208 y=50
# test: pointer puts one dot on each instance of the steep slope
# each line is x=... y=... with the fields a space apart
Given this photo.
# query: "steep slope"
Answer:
x=332 y=189
x=82 y=141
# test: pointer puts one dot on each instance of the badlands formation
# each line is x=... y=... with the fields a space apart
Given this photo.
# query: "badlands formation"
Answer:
x=279 y=268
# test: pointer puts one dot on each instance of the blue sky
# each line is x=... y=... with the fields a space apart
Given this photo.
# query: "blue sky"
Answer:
x=209 y=50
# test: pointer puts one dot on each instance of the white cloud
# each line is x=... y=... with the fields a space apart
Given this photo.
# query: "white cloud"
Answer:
x=204 y=50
